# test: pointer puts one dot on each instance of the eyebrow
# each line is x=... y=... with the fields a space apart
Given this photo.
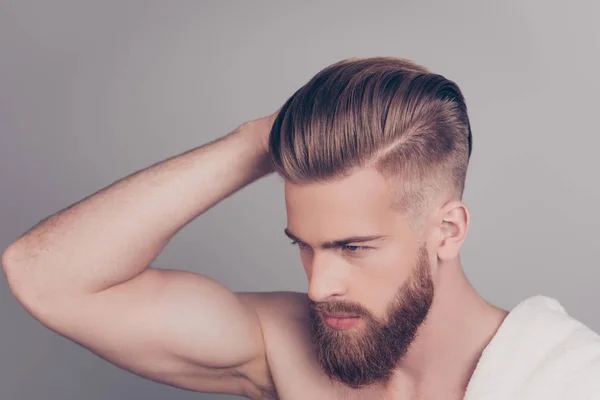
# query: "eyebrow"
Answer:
x=339 y=242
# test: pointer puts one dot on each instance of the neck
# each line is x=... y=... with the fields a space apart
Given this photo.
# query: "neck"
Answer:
x=458 y=327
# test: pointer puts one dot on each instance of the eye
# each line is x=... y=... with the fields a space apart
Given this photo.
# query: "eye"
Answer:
x=355 y=249
x=349 y=248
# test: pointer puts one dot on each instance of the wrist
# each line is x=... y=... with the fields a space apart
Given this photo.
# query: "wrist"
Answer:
x=258 y=132
x=256 y=139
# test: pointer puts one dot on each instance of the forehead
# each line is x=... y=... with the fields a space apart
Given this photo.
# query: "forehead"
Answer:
x=359 y=204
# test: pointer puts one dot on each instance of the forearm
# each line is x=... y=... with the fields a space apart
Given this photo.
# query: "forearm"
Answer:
x=114 y=234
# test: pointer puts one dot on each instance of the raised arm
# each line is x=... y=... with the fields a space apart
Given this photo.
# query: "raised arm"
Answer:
x=84 y=272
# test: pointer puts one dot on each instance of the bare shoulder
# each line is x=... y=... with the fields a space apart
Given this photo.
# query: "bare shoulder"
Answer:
x=285 y=326
x=283 y=317
x=278 y=313
x=275 y=305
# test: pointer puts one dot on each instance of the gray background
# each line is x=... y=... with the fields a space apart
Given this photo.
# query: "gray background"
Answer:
x=91 y=92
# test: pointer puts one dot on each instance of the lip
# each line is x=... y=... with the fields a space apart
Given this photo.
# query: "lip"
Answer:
x=340 y=321
x=340 y=315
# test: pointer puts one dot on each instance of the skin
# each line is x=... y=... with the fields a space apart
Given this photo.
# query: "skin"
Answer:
x=358 y=277
x=85 y=272
x=459 y=322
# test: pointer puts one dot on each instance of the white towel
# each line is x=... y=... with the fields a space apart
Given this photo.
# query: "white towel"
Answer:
x=538 y=353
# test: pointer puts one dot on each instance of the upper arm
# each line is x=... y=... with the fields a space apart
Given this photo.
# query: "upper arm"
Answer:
x=176 y=327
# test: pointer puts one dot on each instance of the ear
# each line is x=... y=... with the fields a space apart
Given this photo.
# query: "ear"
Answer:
x=453 y=227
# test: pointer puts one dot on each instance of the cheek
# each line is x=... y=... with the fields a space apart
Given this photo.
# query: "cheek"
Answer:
x=379 y=279
x=388 y=265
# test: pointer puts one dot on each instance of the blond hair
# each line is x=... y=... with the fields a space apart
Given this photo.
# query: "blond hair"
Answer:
x=389 y=113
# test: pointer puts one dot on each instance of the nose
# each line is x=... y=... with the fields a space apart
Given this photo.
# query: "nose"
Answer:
x=327 y=278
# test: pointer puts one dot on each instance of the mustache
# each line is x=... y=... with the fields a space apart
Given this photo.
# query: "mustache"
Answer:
x=335 y=307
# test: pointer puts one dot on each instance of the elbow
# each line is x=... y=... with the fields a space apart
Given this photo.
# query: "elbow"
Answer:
x=9 y=261
x=15 y=270
x=31 y=289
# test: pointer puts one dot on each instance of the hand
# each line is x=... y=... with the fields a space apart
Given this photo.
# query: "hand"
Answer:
x=262 y=128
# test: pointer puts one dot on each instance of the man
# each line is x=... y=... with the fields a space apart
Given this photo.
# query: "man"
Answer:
x=374 y=153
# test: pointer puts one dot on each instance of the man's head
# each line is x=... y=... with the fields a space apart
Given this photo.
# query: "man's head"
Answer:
x=374 y=154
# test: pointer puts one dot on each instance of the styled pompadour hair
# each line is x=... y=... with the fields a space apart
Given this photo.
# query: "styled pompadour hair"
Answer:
x=382 y=112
